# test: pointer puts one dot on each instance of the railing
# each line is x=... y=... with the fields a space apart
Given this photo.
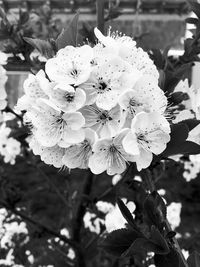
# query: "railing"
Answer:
x=128 y=6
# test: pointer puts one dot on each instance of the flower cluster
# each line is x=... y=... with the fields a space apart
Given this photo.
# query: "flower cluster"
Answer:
x=98 y=107
x=3 y=80
x=10 y=148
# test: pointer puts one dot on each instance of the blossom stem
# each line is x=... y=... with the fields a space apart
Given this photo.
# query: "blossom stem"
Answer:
x=100 y=15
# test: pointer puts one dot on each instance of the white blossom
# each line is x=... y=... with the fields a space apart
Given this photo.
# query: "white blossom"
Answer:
x=66 y=97
x=106 y=123
x=126 y=48
x=77 y=155
x=108 y=81
x=71 y=65
x=173 y=214
x=109 y=155
x=52 y=126
x=149 y=135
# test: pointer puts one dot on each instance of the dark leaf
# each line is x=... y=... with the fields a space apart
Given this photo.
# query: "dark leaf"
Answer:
x=192 y=20
x=117 y=242
x=44 y=47
x=69 y=35
x=155 y=210
x=159 y=241
x=126 y=213
x=191 y=123
x=171 y=259
x=177 y=97
x=179 y=133
x=195 y=7
x=194 y=259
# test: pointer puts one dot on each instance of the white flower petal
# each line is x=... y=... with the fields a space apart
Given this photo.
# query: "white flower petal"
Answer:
x=130 y=144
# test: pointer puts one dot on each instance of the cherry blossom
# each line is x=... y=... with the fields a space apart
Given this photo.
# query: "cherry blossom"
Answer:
x=149 y=135
x=66 y=97
x=108 y=81
x=52 y=126
x=77 y=155
x=106 y=123
x=109 y=155
x=71 y=65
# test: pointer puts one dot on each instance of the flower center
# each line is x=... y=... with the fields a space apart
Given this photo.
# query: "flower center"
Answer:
x=74 y=73
x=104 y=116
x=69 y=97
x=113 y=149
x=102 y=86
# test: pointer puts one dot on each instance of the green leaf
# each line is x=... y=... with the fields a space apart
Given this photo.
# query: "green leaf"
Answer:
x=126 y=213
x=44 y=47
x=69 y=35
x=194 y=259
x=117 y=242
x=171 y=259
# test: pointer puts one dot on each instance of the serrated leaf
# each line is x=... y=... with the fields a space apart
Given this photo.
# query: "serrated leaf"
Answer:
x=69 y=35
x=118 y=241
x=126 y=213
x=194 y=259
x=43 y=46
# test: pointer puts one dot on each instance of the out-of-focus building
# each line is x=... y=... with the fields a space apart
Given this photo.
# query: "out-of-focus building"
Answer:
x=160 y=22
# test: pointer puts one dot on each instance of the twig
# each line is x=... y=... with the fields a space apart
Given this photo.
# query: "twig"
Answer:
x=53 y=185
x=40 y=225
x=169 y=229
x=78 y=218
x=151 y=186
x=109 y=190
x=9 y=109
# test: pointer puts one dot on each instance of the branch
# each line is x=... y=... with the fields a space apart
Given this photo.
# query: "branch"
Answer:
x=151 y=186
x=40 y=225
x=78 y=218
x=9 y=109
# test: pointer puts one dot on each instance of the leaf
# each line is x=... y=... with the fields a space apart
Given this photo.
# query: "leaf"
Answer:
x=118 y=241
x=194 y=259
x=126 y=213
x=179 y=134
x=155 y=210
x=43 y=46
x=177 y=97
x=191 y=123
x=171 y=259
x=189 y=148
x=158 y=239
x=69 y=35
x=195 y=7
x=192 y=21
